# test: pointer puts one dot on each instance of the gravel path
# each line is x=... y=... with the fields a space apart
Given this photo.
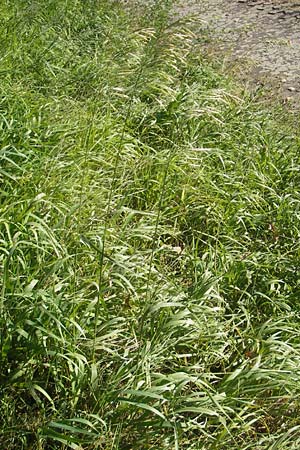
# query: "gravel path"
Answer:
x=262 y=35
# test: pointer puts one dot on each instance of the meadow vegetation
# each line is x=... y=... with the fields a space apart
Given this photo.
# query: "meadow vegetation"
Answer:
x=149 y=239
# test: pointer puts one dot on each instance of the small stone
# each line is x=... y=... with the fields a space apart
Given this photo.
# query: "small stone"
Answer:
x=291 y=89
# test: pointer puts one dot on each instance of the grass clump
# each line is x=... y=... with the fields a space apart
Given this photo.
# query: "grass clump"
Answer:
x=149 y=238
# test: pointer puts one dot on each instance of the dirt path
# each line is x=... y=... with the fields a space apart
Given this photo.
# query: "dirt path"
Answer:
x=260 y=35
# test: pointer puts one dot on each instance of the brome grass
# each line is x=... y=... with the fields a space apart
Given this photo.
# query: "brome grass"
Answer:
x=149 y=237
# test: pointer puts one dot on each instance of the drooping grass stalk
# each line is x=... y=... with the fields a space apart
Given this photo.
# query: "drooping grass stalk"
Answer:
x=150 y=46
x=81 y=191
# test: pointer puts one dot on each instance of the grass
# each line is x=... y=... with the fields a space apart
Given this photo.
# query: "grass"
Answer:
x=149 y=236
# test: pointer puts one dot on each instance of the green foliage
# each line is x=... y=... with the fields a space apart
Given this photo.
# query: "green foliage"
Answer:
x=149 y=240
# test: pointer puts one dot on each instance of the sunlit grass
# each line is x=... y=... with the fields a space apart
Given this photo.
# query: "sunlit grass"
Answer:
x=149 y=237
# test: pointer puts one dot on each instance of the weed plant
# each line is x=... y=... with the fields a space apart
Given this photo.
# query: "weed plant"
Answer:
x=149 y=236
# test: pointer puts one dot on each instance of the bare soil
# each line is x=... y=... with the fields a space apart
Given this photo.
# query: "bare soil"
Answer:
x=261 y=38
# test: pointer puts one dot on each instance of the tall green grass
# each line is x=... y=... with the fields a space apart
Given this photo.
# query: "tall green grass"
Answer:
x=149 y=236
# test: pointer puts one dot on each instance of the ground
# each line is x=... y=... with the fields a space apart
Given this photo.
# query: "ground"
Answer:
x=259 y=38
